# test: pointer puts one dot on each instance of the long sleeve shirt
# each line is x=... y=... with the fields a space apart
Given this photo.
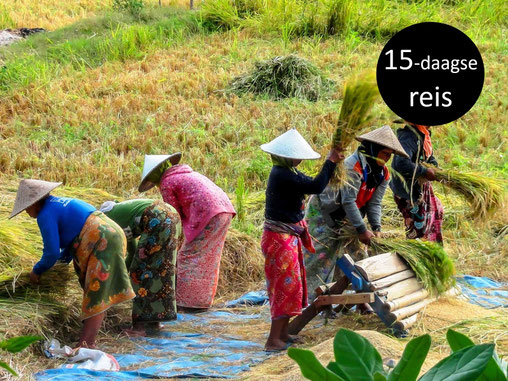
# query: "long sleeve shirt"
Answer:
x=409 y=169
x=286 y=191
x=336 y=206
x=60 y=221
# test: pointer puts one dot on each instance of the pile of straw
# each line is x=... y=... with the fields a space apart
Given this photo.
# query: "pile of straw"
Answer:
x=428 y=260
x=242 y=264
x=484 y=194
x=360 y=93
x=283 y=77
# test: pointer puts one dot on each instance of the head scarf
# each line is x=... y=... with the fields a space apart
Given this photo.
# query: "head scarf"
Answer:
x=283 y=162
x=155 y=176
x=374 y=172
x=427 y=143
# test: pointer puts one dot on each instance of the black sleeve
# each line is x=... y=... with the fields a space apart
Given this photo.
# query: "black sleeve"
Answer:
x=432 y=160
x=403 y=165
x=308 y=185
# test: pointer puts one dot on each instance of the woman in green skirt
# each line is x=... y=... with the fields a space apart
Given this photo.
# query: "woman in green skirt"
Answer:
x=154 y=235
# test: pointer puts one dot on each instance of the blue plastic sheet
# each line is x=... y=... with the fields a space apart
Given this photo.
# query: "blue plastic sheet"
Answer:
x=484 y=291
x=249 y=299
x=178 y=354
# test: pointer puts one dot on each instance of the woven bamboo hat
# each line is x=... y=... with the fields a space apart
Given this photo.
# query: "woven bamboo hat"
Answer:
x=152 y=162
x=291 y=145
x=29 y=192
x=384 y=136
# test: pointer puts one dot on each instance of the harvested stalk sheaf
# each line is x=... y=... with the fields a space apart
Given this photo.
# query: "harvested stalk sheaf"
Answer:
x=484 y=194
x=242 y=264
x=283 y=77
x=360 y=93
x=428 y=260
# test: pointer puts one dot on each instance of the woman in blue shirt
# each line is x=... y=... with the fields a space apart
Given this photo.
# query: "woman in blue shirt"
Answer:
x=71 y=229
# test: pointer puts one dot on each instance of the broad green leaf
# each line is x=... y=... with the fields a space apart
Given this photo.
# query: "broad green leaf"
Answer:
x=412 y=360
x=17 y=344
x=493 y=371
x=464 y=365
x=457 y=340
x=379 y=377
x=310 y=366
x=356 y=358
x=8 y=368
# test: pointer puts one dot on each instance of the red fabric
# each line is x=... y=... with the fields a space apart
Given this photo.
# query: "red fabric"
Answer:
x=285 y=272
x=196 y=198
x=198 y=262
x=427 y=142
x=364 y=194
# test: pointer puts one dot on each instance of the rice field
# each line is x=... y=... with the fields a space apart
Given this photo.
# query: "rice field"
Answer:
x=84 y=103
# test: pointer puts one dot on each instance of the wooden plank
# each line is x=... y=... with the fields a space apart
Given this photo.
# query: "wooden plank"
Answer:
x=391 y=279
x=406 y=323
x=412 y=309
x=400 y=289
x=299 y=322
x=406 y=300
x=322 y=289
x=380 y=266
x=326 y=300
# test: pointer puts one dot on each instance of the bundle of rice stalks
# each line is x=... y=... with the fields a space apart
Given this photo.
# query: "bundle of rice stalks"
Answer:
x=484 y=194
x=283 y=77
x=360 y=93
x=428 y=260
x=242 y=264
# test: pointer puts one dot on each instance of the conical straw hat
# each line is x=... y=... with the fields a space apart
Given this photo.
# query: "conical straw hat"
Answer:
x=29 y=192
x=291 y=145
x=384 y=136
x=152 y=162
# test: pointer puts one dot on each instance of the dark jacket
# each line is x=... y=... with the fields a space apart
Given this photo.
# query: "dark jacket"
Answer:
x=412 y=141
x=286 y=191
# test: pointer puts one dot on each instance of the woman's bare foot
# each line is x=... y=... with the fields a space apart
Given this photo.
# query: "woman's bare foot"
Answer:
x=364 y=309
x=137 y=330
x=292 y=339
x=275 y=345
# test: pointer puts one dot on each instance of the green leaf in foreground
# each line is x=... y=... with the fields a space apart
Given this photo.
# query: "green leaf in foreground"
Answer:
x=464 y=365
x=310 y=366
x=494 y=369
x=412 y=360
x=8 y=368
x=355 y=356
x=17 y=344
x=379 y=377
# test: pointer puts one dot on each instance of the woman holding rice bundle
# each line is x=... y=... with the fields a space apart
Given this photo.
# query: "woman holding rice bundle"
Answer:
x=71 y=229
x=333 y=214
x=285 y=232
x=413 y=193
x=151 y=259
x=206 y=214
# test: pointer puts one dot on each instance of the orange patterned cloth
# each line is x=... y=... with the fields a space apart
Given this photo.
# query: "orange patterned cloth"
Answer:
x=98 y=254
x=427 y=142
x=197 y=264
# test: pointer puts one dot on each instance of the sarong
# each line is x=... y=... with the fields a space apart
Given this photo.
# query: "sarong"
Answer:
x=425 y=218
x=152 y=270
x=98 y=254
x=330 y=244
x=285 y=272
x=198 y=262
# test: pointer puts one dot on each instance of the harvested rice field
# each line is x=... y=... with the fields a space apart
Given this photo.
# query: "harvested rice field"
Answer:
x=107 y=82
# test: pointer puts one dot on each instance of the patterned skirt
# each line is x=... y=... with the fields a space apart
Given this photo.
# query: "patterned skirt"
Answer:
x=285 y=274
x=330 y=244
x=198 y=264
x=152 y=269
x=423 y=219
x=98 y=255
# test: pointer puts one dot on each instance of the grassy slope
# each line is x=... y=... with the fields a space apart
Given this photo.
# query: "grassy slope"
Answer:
x=83 y=104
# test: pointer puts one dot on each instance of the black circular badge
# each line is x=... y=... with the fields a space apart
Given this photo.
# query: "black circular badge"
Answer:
x=430 y=73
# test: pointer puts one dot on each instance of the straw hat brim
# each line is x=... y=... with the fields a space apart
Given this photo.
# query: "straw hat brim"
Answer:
x=22 y=202
x=290 y=145
x=146 y=185
x=385 y=137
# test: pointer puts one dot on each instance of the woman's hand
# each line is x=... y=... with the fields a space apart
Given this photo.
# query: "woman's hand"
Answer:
x=335 y=155
x=430 y=174
x=365 y=237
x=378 y=234
x=34 y=278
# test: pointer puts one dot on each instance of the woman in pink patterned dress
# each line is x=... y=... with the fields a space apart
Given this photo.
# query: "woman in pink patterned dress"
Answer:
x=206 y=214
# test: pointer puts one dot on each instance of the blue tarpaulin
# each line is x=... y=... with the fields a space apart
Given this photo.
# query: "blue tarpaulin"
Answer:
x=178 y=354
x=484 y=291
